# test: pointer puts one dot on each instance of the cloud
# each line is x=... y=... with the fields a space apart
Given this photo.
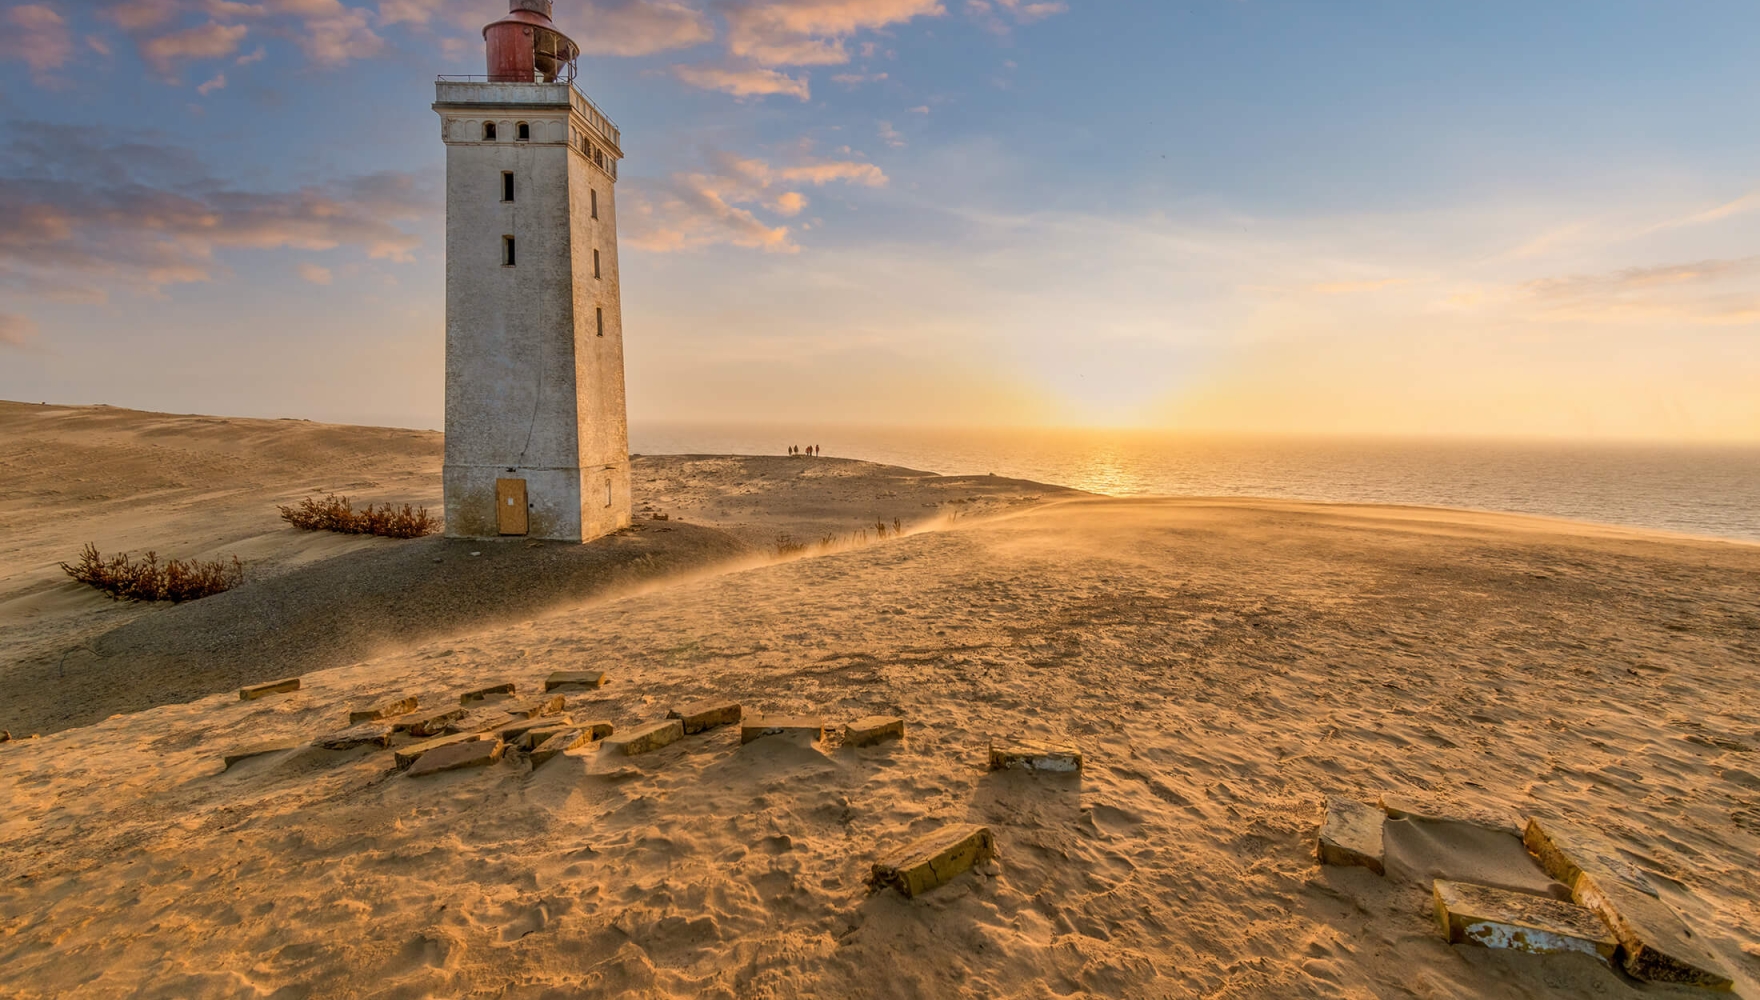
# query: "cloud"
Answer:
x=891 y=136
x=688 y=211
x=853 y=79
x=600 y=27
x=747 y=82
x=314 y=273
x=91 y=213
x=1697 y=293
x=996 y=15
x=208 y=41
x=255 y=56
x=217 y=83
x=37 y=36
x=811 y=32
x=335 y=34
x=16 y=330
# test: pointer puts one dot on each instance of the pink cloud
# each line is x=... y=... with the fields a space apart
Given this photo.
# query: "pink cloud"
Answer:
x=692 y=210
x=38 y=37
x=207 y=41
x=742 y=82
x=16 y=330
x=812 y=32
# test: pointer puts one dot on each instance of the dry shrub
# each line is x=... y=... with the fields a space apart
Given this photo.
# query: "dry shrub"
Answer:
x=334 y=513
x=125 y=579
x=787 y=546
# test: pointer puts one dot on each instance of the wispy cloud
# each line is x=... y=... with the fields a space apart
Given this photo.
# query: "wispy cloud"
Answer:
x=317 y=274
x=746 y=81
x=719 y=205
x=812 y=32
x=38 y=37
x=208 y=41
x=217 y=82
x=16 y=330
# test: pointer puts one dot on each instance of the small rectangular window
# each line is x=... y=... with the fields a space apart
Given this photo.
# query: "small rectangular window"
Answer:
x=595 y=263
x=599 y=317
x=506 y=185
x=507 y=251
x=593 y=196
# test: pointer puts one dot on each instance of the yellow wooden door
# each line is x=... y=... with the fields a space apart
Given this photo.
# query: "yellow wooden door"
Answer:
x=510 y=506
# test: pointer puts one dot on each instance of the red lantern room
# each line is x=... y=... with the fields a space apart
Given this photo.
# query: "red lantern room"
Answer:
x=524 y=47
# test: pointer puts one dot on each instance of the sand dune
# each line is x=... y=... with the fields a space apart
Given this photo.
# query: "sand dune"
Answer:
x=1223 y=665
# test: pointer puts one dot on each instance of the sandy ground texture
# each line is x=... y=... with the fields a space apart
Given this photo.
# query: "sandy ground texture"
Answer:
x=1223 y=666
x=208 y=487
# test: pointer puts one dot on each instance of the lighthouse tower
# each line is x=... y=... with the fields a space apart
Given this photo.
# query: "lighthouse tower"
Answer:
x=537 y=441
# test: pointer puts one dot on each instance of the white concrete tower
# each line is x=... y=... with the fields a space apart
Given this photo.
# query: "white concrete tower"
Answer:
x=537 y=440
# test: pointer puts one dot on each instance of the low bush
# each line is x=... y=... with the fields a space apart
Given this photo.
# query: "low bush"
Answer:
x=334 y=513
x=125 y=579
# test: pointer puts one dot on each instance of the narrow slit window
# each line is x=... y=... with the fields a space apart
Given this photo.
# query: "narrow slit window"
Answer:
x=488 y=131
x=507 y=185
x=607 y=494
x=599 y=318
x=595 y=263
x=522 y=132
x=593 y=199
x=507 y=251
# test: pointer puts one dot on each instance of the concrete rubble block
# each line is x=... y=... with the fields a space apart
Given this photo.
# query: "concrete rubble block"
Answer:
x=555 y=743
x=485 y=692
x=873 y=729
x=550 y=704
x=593 y=731
x=1350 y=836
x=366 y=734
x=256 y=691
x=1402 y=806
x=706 y=715
x=645 y=738
x=429 y=723
x=483 y=720
x=934 y=859
x=388 y=710
x=758 y=727
x=575 y=678
x=1034 y=755
x=407 y=755
x=260 y=750
x=1498 y=918
x=1654 y=944
x=457 y=756
x=514 y=732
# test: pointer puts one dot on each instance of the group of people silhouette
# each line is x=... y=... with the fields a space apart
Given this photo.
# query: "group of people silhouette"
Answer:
x=795 y=449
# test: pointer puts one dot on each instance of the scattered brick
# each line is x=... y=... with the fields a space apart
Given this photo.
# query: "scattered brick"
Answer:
x=873 y=729
x=260 y=750
x=273 y=687
x=483 y=720
x=1654 y=943
x=1033 y=755
x=1498 y=918
x=431 y=723
x=1351 y=835
x=575 y=678
x=367 y=734
x=556 y=743
x=388 y=710
x=648 y=737
x=933 y=860
x=591 y=731
x=407 y=755
x=761 y=726
x=480 y=693
x=706 y=715
x=513 y=731
x=548 y=705
x=453 y=757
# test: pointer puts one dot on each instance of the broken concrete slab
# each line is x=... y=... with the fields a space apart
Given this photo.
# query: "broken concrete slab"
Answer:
x=1400 y=805
x=706 y=715
x=645 y=738
x=759 y=727
x=485 y=692
x=514 y=732
x=873 y=729
x=538 y=734
x=430 y=723
x=367 y=734
x=1035 y=755
x=1655 y=944
x=556 y=743
x=575 y=678
x=483 y=720
x=933 y=859
x=1497 y=918
x=548 y=705
x=256 y=691
x=260 y=750
x=387 y=710
x=407 y=755
x=1351 y=836
x=457 y=756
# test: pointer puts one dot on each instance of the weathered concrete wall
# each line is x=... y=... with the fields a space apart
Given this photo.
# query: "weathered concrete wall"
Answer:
x=533 y=391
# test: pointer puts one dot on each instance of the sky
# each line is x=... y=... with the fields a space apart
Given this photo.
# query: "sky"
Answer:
x=1469 y=219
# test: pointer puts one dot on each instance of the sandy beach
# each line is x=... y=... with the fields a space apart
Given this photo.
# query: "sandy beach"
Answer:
x=1224 y=666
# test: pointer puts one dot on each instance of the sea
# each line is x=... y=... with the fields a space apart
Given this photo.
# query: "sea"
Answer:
x=1708 y=490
